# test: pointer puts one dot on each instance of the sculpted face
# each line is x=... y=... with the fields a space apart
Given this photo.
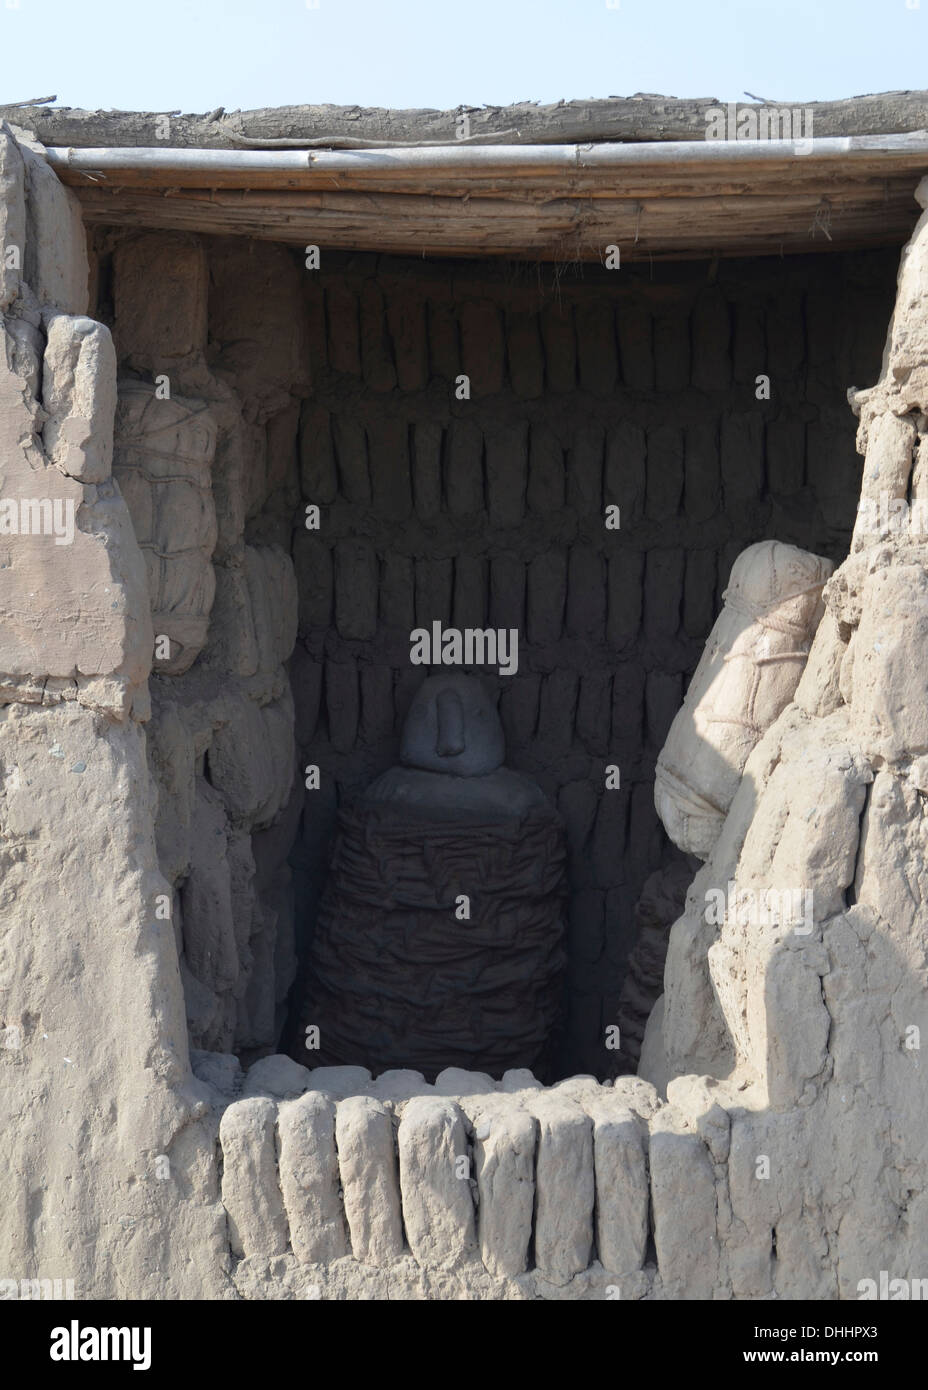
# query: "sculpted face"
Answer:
x=453 y=726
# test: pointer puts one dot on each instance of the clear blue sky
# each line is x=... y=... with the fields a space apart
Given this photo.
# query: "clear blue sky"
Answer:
x=198 y=54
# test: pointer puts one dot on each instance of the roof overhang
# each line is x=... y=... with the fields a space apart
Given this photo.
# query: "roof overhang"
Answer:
x=565 y=202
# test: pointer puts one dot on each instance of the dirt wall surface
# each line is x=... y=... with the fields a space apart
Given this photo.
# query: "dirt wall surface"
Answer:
x=773 y=1142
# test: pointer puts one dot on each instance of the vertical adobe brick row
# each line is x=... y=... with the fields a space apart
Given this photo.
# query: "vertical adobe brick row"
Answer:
x=426 y=450
x=786 y=455
x=318 y=474
x=786 y=347
x=546 y=593
x=397 y=592
x=646 y=834
x=627 y=741
x=636 y=347
x=526 y=357
x=665 y=472
x=577 y=803
x=608 y=839
x=663 y=697
x=406 y=323
x=316 y=332
x=405 y=684
x=351 y=456
x=376 y=355
x=558 y=707
x=594 y=711
x=586 y=594
x=356 y=590
x=470 y=591
x=751 y=358
x=388 y=456
x=545 y=493
x=507 y=593
x=463 y=468
x=312 y=561
x=376 y=705
x=483 y=347
x=507 y=473
x=625 y=471
x=586 y=936
x=699 y=593
x=597 y=355
x=626 y=568
x=663 y=594
x=433 y=592
x=518 y=709
x=444 y=342
x=742 y=455
x=711 y=327
x=672 y=352
x=343 y=319
x=585 y=469
x=342 y=704
x=702 y=488
x=560 y=346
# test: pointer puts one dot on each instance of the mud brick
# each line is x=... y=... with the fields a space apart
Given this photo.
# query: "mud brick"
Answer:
x=464 y=468
x=646 y=836
x=483 y=347
x=586 y=594
x=547 y=593
x=626 y=568
x=636 y=349
x=577 y=803
x=470 y=591
x=742 y=454
x=312 y=561
x=558 y=707
x=545 y=472
x=607 y=844
x=388 y=455
x=342 y=702
x=663 y=697
x=426 y=468
x=627 y=741
x=665 y=472
x=318 y=475
x=518 y=708
x=444 y=346
x=786 y=455
x=560 y=345
x=306 y=679
x=834 y=468
x=750 y=350
x=702 y=486
x=625 y=473
x=711 y=327
x=376 y=705
x=526 y=358
x=406 y=683
x=507 y=593
x=786 y=335
x=663 y=592
x=376 y=357
x=586 y=925
x=406 y=322
x=585 y=469
x=433 y=592
x=351 y=456
x=672 y=352
x=594 y=711
x=356 y=582
x=621 y=934
x=598 y=355
x=699 y=593
x=316 y=343
x=727 y=558
x=341 y=306
x=507 y=473
x=172 y=322
x=397 y=603
x=283 y=452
